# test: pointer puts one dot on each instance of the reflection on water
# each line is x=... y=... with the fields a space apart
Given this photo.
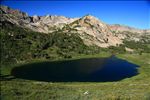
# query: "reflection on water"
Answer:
x=83 y=70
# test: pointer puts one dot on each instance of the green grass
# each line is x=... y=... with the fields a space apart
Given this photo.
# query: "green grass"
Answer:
x=135 y=88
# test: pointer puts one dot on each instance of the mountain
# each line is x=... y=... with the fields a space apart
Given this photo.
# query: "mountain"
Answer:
x=93 y=31
x=121 y=28
x=89 y=28
x=44 y=24
x=26 y=38
x=129 y=32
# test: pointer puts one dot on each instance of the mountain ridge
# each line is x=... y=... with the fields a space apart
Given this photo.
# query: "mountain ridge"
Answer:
x=90 y=29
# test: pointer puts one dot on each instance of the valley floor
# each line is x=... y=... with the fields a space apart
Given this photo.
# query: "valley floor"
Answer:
x=135 y=88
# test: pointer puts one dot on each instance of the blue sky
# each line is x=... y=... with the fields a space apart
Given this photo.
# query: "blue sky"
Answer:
x=131 y=13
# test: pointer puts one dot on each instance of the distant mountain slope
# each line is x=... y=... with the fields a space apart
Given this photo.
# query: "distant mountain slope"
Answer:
x=89 y=28
x=122 y=28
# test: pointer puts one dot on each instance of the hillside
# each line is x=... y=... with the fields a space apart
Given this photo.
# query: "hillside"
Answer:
x=26 y=38
x=89 y=28
x=21 y=44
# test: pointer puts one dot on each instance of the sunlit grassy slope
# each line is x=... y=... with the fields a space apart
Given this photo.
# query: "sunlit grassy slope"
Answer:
x=134 y=88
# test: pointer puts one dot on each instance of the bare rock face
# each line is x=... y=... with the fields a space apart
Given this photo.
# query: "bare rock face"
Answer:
x=55 y=20
x=130 y=33
x=90 y=29
x=7 y=10
x=45 y=24
x=94 y=32
x=121 y=28
x=35 y=18
x=50 y=23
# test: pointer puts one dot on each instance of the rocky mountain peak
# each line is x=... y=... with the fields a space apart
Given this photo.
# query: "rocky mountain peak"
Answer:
x=93 y=21
x=94 y=32
x=15 y=12
x=88 y=16
x=35 y=18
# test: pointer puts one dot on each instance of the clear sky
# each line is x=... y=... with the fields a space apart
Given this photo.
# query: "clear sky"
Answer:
x=131 y=13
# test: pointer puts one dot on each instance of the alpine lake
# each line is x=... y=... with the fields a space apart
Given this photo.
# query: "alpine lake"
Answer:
x=82 y=70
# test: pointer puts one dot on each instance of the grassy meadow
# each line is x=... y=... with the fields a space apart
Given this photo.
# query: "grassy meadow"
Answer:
x=134 y=88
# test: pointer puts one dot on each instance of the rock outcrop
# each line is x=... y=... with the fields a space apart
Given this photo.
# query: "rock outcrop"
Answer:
x=93 y=31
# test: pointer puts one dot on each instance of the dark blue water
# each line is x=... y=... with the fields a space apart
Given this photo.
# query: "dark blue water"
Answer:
x=83 y=70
